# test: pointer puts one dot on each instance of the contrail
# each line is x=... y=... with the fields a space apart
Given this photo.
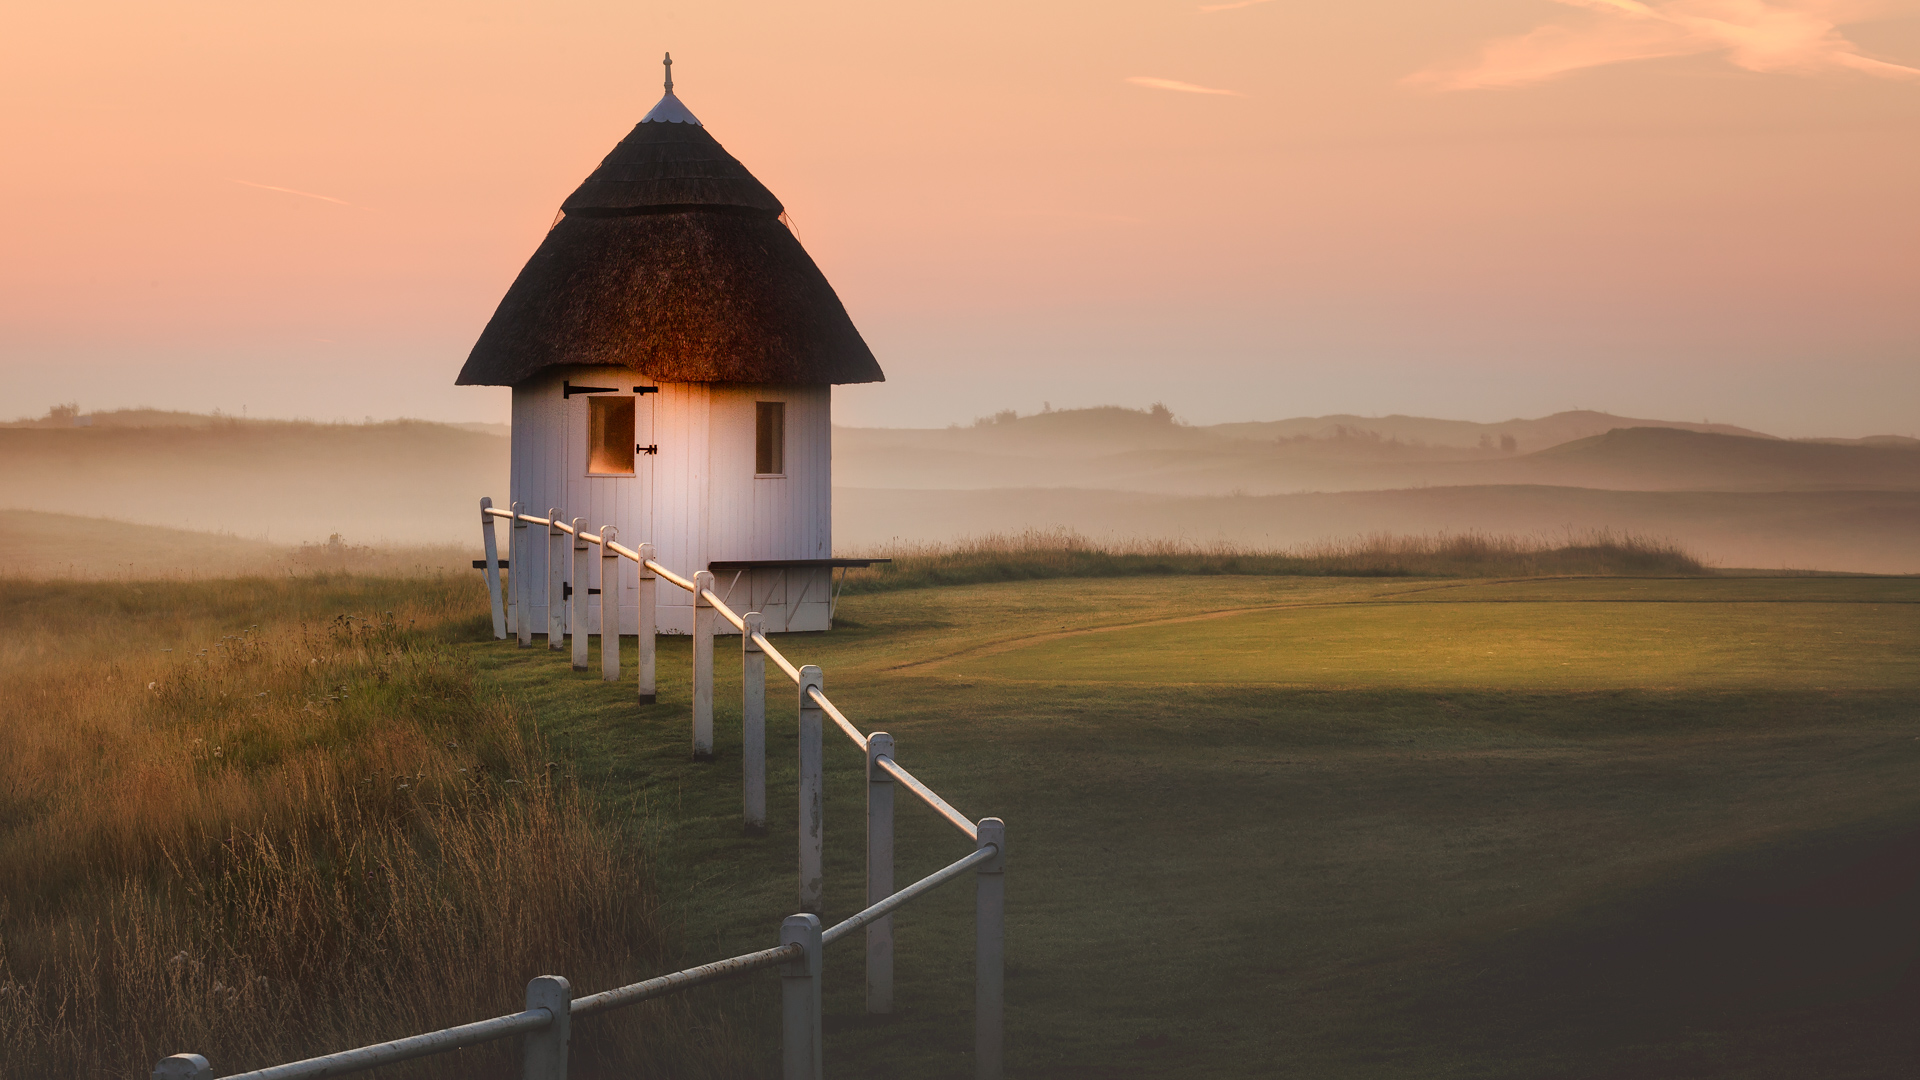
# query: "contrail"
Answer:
x=1182 y=87
x=291 y=191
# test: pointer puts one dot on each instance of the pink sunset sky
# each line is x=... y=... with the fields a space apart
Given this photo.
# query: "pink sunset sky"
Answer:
x=1247 y=210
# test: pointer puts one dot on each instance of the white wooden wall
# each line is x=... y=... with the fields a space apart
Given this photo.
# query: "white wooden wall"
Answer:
x=705 y=502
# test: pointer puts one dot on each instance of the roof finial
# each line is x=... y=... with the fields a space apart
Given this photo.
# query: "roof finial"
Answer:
x=669 y=63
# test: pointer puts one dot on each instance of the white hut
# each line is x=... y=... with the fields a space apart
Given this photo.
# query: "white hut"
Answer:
x=672 y=351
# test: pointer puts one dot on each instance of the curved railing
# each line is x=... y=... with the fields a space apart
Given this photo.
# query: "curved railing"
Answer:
x=545 y=1023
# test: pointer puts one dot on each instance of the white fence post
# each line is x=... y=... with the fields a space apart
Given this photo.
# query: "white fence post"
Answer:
x=800 y=1001
x=556 y=581
x=609 y=605
x=545 y=1051
x=812 y=720
x=492 y=545
x=520 y=575
x=879 y=874
x=182 y=1067
x=644 y=600
x=753 y=727
x=577 y=606
x=703 y=616
x=990 y=954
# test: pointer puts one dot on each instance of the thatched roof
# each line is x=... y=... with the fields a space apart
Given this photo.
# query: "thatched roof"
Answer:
x=671 y=259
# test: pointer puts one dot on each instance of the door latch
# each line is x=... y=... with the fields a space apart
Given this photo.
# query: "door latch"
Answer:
x=654 y=449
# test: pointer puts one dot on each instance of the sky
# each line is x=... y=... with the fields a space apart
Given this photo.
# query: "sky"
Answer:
x=1483 y=209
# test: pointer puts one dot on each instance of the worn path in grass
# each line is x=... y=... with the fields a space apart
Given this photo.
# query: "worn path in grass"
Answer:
x=1373 y=827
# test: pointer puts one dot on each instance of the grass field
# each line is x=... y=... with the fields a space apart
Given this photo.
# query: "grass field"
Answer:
x=1306 y=825
x=1546 y=635
x=1340 y=827
x=65 y=547
x=263 y=818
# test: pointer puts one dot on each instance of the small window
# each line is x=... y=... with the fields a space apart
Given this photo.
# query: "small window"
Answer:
x=610 y=436
x=770 y=438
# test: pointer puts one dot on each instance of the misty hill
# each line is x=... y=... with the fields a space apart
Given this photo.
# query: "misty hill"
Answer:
x=1528 y=435
x=1863 y=531
x=1829 y=504
x=405 y=481
x=1111 y=429
x=34 y=544
x=1670 y=459
x=1129 y=450
x=69 y=416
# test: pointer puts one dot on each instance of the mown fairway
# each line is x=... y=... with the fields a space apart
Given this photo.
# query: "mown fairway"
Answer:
x=1832 y=633
x=1338 y=827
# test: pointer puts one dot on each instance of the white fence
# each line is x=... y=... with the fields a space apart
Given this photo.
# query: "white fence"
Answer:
x=545 y=1023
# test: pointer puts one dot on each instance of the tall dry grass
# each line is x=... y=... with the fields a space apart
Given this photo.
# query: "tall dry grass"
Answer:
x=1057 y=553
x=289 y=835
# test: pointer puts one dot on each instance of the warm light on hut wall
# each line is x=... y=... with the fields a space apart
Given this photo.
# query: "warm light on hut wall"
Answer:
x=769 y=438
x=610 y=444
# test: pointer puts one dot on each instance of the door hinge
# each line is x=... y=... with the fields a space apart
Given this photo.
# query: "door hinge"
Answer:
x=654 y=449
x=566 y=590
x=567 y=389
x=643 y=390
x=593 y=592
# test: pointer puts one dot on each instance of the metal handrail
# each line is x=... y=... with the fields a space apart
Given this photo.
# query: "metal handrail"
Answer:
x=887 y=764
x=416 y=1046
x=635 y=993
x=551 y=523
x=363 y=1058
x=926 y=884
x=726 y=612
x=777 y=657
x=840 y=718
x=927 y=795
x=668 y=574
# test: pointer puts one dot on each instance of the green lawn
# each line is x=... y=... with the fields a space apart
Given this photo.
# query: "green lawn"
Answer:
x=1334 y=827
x=1585 y=635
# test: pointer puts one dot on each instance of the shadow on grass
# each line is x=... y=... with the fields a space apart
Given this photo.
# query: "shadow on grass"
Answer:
x=1786 y=960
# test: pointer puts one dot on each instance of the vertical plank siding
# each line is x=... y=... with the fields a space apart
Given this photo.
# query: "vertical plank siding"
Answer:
x=697 y=500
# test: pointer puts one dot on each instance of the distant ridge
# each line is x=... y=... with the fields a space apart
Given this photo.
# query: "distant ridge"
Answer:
x=1748 y=499
x=1670 y=459
x=1118 y=449
x=401 y=481
x=1561 y=427
x=174 y=418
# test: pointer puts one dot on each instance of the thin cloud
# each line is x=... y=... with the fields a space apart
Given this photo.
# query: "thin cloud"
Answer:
x=291 y=191
x=1791 y=36
x=1181 y=87
x=1211 y=8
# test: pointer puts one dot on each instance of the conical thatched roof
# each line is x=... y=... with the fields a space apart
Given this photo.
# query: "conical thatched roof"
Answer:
x=671 y=259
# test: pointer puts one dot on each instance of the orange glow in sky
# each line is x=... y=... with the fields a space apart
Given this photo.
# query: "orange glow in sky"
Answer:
x=1484 y=208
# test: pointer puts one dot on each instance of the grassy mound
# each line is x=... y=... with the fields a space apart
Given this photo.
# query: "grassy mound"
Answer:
x=1037 y=554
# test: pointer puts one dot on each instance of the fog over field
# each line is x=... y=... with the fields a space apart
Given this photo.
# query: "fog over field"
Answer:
x=1736 y=497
